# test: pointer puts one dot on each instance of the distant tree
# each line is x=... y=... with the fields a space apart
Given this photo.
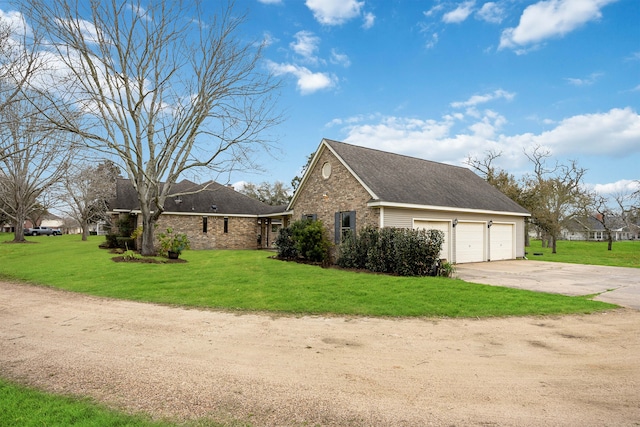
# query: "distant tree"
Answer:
x=557 y=193
x=88 y=188
x=168 y=87
x=36 y=158
x=275 y=194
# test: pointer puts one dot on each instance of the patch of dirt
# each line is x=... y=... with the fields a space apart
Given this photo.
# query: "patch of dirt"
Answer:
x=330 y=371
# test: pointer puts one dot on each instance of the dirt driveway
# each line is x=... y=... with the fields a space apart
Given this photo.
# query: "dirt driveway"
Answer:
x=328 y=371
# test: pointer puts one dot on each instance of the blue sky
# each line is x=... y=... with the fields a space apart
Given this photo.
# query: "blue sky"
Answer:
x=441 y=80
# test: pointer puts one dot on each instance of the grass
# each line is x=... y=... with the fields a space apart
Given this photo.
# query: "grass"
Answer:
x=252 y=281
x=22 y=406
x=622 y=254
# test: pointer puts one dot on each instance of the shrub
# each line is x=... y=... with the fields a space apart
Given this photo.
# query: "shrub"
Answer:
x=400 y=251
x=285 y=244
x=305 y=239
x=173 y=242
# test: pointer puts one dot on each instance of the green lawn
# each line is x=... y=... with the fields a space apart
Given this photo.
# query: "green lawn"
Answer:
x=252 y=281
x=21 y=406
x=622 y=254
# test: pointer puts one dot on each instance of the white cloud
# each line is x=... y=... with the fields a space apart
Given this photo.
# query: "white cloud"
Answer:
x=433 y=10
x=451 y=138
x=432 y=42
x=306 y=45
x=491 y=12
x=588 y=81
x=460 y=13
x=340 y=58
x=614 y=133
x=624 y=186
x=481 y=99
x=369 y=20
x=551 y=18
x=334 y=12
x=308 y=82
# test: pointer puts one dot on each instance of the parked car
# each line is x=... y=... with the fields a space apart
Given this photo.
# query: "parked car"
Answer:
x=42 y=231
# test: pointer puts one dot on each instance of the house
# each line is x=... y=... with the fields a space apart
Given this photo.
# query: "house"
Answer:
x=349 y=187
x=592 y=230
x=212 y=215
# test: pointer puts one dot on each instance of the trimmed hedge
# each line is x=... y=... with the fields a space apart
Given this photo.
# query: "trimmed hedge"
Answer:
x=400 y=251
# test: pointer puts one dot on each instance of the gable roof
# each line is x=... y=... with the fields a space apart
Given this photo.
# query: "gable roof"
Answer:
x=226 y=200
x=397 y=179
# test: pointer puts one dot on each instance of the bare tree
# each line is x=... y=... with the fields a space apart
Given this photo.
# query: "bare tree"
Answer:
x=515 y=189
x=168 y=87
x=37 y=159
x=275 y=194
x=88 y=188
x=557 y=193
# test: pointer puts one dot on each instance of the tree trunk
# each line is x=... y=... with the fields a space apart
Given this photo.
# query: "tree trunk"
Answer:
x=85 y=230
x=18 y=235
x=148 y=243
x=610 y=241
x=554 y=244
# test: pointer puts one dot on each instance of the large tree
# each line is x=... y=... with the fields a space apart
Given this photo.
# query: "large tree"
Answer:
x=168 y=87
x=36 y=158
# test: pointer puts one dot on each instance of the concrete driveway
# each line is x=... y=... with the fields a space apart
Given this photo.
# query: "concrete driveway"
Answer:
x=617 y=285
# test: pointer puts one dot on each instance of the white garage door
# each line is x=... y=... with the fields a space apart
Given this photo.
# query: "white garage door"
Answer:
x=437 y=225
x=470 y=242
x=501 y=242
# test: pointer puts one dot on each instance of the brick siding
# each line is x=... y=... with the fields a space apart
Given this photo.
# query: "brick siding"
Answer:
x=339 y=193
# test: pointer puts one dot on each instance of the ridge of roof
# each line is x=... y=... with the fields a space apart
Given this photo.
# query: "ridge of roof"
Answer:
x=397 y=178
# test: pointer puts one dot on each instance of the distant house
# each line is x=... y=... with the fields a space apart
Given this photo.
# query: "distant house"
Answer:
x=212 y=215
x=348 y=187
x=590 y=229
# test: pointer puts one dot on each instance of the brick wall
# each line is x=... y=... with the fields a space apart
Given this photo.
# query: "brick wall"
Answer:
x=337 y=193
x=242 y=232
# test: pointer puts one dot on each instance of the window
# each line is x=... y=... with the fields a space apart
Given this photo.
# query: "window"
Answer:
x=226 y=225
x=309 y=217
x=204 y=224
x=345 y=225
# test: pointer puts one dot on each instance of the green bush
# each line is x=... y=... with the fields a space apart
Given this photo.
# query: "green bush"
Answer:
x=305 y=239
x=400 y=251
x=285 y=244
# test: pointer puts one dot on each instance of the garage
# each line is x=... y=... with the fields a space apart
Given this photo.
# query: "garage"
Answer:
x=470 y=242
x=501 y=242
x=441 y=226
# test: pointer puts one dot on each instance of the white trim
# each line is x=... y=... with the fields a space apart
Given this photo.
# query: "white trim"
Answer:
x=381 y=213
x=381 y=204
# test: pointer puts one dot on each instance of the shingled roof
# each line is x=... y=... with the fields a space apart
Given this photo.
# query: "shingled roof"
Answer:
x=394 y=178
x=226 y=200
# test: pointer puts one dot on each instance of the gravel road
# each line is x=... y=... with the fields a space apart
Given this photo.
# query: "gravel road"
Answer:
x=330 y=371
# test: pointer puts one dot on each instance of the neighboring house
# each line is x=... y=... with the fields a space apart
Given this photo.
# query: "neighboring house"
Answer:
x=213 y=216
x=592 y=230
x=349 y=187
